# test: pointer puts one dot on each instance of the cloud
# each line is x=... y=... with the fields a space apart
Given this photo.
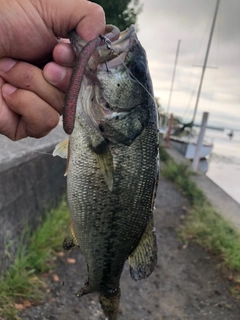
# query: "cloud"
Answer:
x=162 y=24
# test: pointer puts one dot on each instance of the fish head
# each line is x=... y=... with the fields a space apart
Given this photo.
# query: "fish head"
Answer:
x=122 y=73
x=116 y=98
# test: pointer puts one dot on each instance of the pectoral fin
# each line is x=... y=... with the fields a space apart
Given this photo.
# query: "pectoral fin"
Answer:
x=104 y=158
x=62 y=150
x=70 y=240
x=105 y=162
x=106 y=167
x=144 y=258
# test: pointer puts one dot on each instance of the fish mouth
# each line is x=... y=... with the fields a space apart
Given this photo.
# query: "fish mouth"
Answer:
x=114 y=43
x=115 y=53
x=113 y=49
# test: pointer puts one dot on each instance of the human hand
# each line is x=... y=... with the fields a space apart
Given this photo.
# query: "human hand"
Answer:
x=29 y=104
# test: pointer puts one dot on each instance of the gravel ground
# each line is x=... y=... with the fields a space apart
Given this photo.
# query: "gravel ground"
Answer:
x=186 y=284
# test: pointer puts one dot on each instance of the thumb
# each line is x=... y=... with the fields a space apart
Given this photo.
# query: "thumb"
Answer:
x=61 y=16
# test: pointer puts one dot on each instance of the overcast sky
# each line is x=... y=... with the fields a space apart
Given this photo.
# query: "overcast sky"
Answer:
x=162 y=23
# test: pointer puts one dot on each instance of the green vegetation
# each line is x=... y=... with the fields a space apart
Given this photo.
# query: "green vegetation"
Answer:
x=121 y=13
x=202 y=223
x=22 y=282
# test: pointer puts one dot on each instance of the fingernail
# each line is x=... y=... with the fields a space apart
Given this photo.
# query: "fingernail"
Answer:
x=8 y=89
x=6 y=64
x=54 y=73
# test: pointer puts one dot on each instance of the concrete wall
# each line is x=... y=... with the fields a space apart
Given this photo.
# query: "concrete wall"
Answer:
x=31 y=180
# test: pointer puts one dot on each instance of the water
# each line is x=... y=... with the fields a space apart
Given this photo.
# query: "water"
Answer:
x=224 y=163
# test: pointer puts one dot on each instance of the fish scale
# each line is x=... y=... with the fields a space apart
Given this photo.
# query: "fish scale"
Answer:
x=113 y=169
x=94 y=199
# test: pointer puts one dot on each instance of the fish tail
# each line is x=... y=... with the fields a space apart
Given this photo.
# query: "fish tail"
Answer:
x=110 y=303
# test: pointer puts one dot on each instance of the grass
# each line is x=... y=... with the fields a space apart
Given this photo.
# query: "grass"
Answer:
x=202 y=223
x=23 y=281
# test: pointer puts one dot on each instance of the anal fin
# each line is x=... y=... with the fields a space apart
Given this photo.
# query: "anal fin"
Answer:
x=85 y=290
x=144 y=258
x=109 y=300
x=70 y=239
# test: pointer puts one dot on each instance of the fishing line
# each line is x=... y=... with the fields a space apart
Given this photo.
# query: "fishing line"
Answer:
x=149 y=93
x=128 y=70
x=26 y=147
x=132 y=75
x=65 y=268
x=23 y=147
x=36 y=151
x=106 y=66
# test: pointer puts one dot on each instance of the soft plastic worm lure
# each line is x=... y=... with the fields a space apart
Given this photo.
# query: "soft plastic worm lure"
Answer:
x=70 y=102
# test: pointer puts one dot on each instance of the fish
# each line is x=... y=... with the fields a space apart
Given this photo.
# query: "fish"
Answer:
x=113 y=165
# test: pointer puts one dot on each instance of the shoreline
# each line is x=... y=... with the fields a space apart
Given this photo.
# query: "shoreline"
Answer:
x=224 y=177
x=186 y=282
x=225 y=205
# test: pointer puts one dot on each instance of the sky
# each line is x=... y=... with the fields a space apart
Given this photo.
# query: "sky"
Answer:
x=161 y=24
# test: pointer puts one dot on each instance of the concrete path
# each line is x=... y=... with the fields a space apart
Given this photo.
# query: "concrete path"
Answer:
x=220 y=200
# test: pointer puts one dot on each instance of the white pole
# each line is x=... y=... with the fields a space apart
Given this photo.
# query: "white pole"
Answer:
x=206 y=60
x=200 y=142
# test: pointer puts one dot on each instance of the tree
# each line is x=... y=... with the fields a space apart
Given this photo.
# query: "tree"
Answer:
x=121 y=13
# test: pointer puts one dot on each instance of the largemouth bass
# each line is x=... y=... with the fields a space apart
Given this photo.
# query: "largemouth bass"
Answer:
x=112 y=169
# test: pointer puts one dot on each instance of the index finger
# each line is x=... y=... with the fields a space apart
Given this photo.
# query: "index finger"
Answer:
x=61 y=16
